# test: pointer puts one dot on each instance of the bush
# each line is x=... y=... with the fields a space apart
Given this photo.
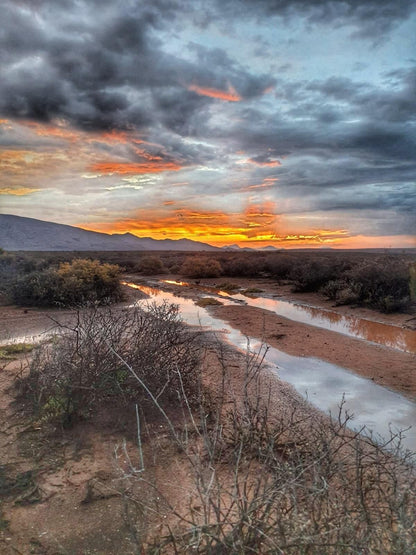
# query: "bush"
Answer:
x=292 y=483
x=87 y=366
x=199 y=267
x=150 y=265
x=412 y=281
x=312 y=275
x=244 y=265
x=340 y=291
x=381 y=284
x=72 y=284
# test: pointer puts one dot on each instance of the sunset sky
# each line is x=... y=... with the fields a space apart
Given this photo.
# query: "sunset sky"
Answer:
x=270 y=122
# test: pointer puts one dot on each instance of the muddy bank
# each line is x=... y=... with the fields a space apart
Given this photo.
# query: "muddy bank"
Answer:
x=385 y=366
x=80 y=479
x=26 y=322
x=393 y=369
x=284 y=291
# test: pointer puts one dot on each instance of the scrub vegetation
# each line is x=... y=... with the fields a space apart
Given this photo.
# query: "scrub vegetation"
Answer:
x=254 y=480
x=84 y=368
x=385 y=282
x=73 y=283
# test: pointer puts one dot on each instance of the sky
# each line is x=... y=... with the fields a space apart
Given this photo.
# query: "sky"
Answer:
x=289 y=123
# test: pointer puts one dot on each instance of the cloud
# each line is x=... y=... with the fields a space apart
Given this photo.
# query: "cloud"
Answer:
x=125 y=168
x=19 y=192
x=262 y=160
x=231 y=100
x=369 y=17
x=107 y=69
x=230 y=94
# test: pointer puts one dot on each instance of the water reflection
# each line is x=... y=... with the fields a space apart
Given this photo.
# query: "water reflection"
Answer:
x=206 y=288
x=323 y=383
x=375 y=332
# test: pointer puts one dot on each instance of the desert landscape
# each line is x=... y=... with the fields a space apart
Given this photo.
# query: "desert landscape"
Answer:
x=207 y=277
x=147 y=471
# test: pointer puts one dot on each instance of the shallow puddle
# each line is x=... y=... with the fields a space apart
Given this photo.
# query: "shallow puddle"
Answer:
x=390 y=336
x=323 y=384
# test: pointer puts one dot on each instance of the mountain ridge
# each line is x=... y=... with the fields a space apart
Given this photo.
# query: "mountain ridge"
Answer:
x=19 y=233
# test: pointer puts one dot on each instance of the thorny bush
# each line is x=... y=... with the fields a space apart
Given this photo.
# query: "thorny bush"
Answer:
x=289 y=483
x=84 y=366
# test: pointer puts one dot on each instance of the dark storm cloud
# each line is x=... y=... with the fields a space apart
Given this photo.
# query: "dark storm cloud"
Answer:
x=370 y=17
x=338 y=135
x=336 y=118
x=179 y=112
x=101 y=66
x=401 y=200
x=395 y=102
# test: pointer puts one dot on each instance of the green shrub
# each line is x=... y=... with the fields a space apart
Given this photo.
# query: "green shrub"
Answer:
x=312 y=275
x=14 y=350
x=381 y=284
x=244 y=265
x=73 y=283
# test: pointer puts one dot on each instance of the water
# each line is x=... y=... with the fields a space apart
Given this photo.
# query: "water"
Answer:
x=323 y=384
x=390 y=336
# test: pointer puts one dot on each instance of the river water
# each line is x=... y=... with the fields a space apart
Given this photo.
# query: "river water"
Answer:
x=324 y=384
x=369 y=330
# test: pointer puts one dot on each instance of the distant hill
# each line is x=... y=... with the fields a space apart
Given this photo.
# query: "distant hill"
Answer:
x=28 y=234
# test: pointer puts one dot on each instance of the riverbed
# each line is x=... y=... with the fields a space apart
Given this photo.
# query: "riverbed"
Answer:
x=325 y=385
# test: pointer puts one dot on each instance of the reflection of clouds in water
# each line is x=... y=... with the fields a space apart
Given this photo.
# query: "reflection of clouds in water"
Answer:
x=376 y=332
x=323 y=383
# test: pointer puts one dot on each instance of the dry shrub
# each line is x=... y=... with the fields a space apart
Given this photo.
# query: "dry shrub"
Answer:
x=380 y=283
x=294 y=484
x=200 y=267
x=84 y=367
x=149 y=265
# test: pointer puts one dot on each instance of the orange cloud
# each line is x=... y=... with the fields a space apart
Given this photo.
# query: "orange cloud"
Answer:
x=114 y=136
x=147 y=155
x=375 y=242
x=58 y=131
x=256 y=223
x=257 y=226
x=18 y=192
x=267 y=183
x=20 y=162
x=230 y=94
x=128 y=168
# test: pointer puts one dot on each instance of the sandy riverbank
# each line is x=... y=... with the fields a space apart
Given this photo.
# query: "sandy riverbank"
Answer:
x=385 y=366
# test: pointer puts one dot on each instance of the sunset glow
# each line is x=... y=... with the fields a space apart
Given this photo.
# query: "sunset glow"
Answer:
x=230 y=94
x=287 y=124
x=257 y=226
x=128 y=168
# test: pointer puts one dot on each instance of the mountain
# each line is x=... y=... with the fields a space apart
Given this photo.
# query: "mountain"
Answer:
x=231 y=248
x=28 y=234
